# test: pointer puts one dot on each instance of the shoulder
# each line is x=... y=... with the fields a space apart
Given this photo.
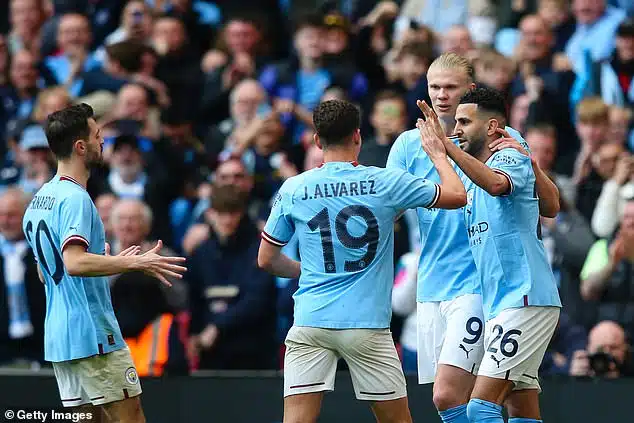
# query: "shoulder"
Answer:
x=508 y=156
x=408 y=138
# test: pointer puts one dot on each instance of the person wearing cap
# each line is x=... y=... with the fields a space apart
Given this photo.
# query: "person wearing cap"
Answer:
x=36 y=159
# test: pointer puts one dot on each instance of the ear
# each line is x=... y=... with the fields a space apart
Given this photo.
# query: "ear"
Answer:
x=317 y=141
x=80 y=147
x=492 y=127
x=356 y=137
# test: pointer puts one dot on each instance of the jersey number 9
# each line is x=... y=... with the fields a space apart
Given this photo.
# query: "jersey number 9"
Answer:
x=370 y=238
x=59 y=263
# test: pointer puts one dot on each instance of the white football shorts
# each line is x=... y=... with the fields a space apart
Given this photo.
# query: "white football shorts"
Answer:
x=450 y=332
x=310 y=362
x=97 y=380
x=515 y=343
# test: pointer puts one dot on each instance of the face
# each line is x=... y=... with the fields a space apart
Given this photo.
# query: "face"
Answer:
x=128 y=225
x=605 y=160
x=233 y=172
x=625 y=48
x=499 y=76
x=592 y=134
x=457 y=40
x=23 y=72
x=519 y=111
x=247 y=98
x=104 y=204
x=132 y=103
x=25 y=16
x=11 y=213
x=73 y=33
x=553 y=12
x=225 y=223
x=170 y=32
x=308 y=42
x=136 y=19
x=94 y=146
x=536 y=38
x=335 y=41
x=471 y=128
x=587 y=11
x=627 y=221
x=412 y=67
x=389 y=117
x=543 y=148
x=53 y=103
x=446 y=87
x=609 y=339
x=619 y=124
x=127 y=161
x=241 y=37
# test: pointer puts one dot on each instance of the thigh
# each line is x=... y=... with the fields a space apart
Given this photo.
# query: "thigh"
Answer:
x=302 y=408
x=89 y=413
x=69 y=384
x=463 y=347
x=109 y=378
x=376 y=371
x=430 y=331
x=515 y=344
x=309 y=366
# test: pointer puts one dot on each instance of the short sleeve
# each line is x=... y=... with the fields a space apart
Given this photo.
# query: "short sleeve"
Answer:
x=513 y=165
x=408 y=191
x=279 y=226
x=397 y=158
x=75 y=220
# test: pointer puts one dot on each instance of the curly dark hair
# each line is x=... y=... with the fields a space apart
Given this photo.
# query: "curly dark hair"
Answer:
x=336 y=121
x=487 y=99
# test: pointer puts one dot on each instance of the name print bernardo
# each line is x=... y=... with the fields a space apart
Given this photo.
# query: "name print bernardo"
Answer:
x=339 y=189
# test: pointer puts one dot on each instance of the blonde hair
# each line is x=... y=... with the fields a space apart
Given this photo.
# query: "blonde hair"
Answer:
x=43 y=96
x=593 y=110
x=454 y=61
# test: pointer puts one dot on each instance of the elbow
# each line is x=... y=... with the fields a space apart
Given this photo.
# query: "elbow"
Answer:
x=461 y=199
x=264 y=262
x=497 y=189
x=72 y=268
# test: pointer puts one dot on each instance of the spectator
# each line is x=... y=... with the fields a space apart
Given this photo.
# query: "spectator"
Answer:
x=35 y=158
x=232 y=301
x=24 y=77
x=104 y=203
x=596 y=26
x=27 y=17
x=568 y=339
x=607 y=275
x=22 y=300
x=495 y=71
x=558 y=15
x=457 y=40
x=388 y=121
x=614 y=195
x=136 y=24
x=606 y=355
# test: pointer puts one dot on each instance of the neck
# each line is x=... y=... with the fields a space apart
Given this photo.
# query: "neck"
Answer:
x=308 y=63
x=75 y=170
x=448 y=123
x=340 y=155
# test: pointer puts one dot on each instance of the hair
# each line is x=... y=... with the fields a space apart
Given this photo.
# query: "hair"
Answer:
x=44 y=95
x=418 y=49
x=454 y=61
x=146 y=211
x=63 y=128
x=309 y=20
x=544 y=129
x=335 y=121
x=128 y=54
x=593 y=110
x=388 y=95
x=492 y=59
x=228 y=199
x=487 y=99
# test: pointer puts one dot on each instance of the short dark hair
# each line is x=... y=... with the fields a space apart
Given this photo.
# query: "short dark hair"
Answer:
x=228 y=199
x=309 y=20
x=388 y=95
x=420 y=50
x=335 y=121
x=65 y=127
x=128 y=53
x=487 y=99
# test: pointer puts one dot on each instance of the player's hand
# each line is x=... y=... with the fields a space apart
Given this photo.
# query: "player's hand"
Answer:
x=433 y=146
x=507 y=141
x=580 y=365
x=431 y=120
x=160 y=267
x=130 y=251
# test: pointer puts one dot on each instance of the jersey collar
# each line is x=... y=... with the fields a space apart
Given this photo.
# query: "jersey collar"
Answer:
x=353 y=163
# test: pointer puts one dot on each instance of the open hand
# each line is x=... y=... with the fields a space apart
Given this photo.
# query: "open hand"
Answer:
x=430 y=131
x=130 y=251
x=507 y=141
x=160 y=267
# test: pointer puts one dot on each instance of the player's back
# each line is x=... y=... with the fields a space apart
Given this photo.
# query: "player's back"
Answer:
x=446 y=268
x=343 y=214
x=80 y=321
x=505 y=237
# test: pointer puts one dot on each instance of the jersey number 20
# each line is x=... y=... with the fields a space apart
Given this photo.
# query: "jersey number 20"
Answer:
x=370 y=238
x=59 y=263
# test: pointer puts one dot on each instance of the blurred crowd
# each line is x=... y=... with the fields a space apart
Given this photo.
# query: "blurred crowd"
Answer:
x=205 y=107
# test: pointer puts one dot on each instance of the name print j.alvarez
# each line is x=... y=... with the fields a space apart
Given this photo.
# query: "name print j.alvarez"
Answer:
x=339 y=189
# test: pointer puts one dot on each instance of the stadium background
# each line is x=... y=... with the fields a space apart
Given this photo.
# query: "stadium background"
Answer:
x=205 y=108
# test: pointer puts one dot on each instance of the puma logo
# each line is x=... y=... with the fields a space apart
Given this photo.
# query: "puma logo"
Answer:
x=496 y=360
x=463 y=348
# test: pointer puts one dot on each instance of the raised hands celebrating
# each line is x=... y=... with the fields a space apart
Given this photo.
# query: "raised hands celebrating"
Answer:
x=431 y=132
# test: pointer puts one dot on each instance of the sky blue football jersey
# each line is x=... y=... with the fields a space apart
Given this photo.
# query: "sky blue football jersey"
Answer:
x=80 y=321
x=446 y=269
x=505 y=239
x=343 y=214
